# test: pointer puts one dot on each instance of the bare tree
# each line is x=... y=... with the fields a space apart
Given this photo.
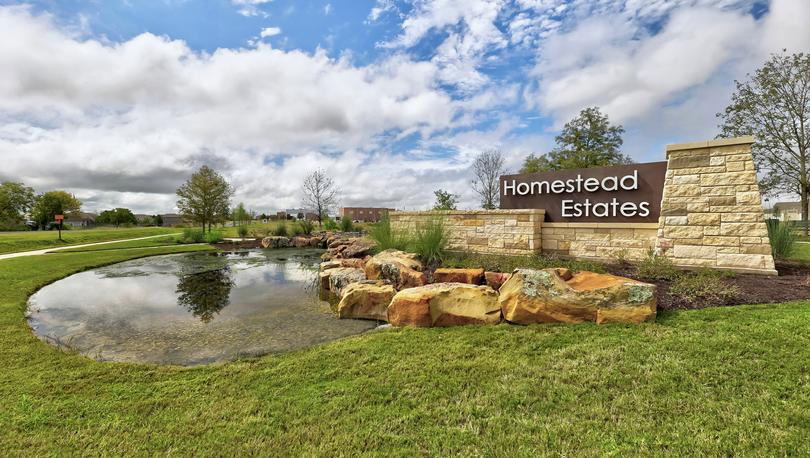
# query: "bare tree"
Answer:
x=488 y=168
x=320 y=193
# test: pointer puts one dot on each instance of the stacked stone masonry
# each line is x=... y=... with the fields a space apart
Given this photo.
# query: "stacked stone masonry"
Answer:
x=711 y=212
x=481 y=231
x=604 y=241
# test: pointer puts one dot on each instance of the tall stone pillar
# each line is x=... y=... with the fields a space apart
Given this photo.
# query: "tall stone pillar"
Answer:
x=711 y=211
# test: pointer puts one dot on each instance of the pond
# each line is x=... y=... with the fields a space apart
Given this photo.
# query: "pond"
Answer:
x=190 y=309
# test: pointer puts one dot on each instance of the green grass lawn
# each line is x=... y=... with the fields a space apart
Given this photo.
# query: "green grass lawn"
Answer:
x=718 y=381
x=146 y=243
x=11 y=242
x=802 y=252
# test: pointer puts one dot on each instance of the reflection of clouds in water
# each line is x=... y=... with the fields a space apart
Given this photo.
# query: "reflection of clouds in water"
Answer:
x=112 y=315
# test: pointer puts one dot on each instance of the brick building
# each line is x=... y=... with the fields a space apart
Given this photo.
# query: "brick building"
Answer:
x=367 y=214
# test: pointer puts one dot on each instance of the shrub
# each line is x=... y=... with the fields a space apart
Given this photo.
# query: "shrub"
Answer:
x=387 y=238
x=346 y=224
x=213 y=236
x=782 y=238
x=329 y=223
x=430 y=241
x=306 y=226
x=242 y=231
x=281 y=230
x=654 y=267
x=706 y=284
x=192 y=235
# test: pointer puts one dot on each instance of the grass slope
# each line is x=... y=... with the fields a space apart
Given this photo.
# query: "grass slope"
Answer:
x=717 y=381
x=11 y=242
x=802 y=252
x=169 y=240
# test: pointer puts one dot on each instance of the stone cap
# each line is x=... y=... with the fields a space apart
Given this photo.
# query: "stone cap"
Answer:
x=746 y=140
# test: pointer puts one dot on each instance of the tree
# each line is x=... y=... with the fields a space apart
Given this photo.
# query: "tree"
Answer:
x=205 y=197
x=445 y=200
x=54 y=203
x=16 y=201
x=589 y=140
x=774 y=106
x=535 y=163
x=240 y=215
x=320 y=193
x=158 y=220
x=117 y=217
x=488 y=168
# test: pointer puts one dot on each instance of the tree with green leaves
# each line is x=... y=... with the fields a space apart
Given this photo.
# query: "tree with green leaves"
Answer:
x=445 y=200
x=117 y=217
x=16 y=200
x=773 y=105
x=240 y=215
x=54 y=203
x=205 y=198
x=589 y=140
x=488 y=168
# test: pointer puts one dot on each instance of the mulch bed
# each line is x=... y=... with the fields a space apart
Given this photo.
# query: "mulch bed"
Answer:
x=793 y=283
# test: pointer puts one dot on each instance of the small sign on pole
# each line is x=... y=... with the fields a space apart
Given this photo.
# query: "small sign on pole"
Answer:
x=59 y=219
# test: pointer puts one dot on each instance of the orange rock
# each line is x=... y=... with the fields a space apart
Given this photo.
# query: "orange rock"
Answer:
x=445 y=304
x=366 y=299
x=449 y=275
x=554 y=295
x=402 y=269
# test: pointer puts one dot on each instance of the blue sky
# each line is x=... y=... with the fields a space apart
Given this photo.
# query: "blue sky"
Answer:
x=117 y=100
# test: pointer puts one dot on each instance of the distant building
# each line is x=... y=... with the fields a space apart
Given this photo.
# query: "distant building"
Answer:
x=80 y=219
x=366 y=214
x=791 y=211
x=172 y=219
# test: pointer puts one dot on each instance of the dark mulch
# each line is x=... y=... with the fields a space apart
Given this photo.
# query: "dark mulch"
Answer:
x=793 y=283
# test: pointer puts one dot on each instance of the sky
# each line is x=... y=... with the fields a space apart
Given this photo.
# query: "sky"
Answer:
x=120 y=101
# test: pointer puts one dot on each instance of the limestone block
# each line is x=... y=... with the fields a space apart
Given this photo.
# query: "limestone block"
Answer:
x=689 y=161
x=675 y=220
x=744 y=229
x=744 y=261
x=721 y=241
x=735 y=166
x=741 y=217
x=695 y=251
x=686 y=179
x=704 y=219
x=748 y=198
x=714 y=179
x=684 y=232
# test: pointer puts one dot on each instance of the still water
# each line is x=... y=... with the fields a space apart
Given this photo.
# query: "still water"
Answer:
x=190 y=309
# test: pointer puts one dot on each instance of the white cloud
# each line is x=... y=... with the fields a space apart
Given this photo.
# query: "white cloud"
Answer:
x=327 y=9
x=270 y=32
x=264 y=116
x=250 y=7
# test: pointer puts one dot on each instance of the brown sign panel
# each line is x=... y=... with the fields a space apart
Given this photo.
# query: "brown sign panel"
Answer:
x=59 y=217
x=619 y=194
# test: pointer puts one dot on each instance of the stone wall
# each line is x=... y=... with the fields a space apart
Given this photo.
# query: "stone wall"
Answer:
x=602 y=241
x=711 y=212
x=481 y=231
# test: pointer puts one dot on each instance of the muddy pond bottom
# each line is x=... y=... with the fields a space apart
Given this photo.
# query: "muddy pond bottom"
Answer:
x=190 y=309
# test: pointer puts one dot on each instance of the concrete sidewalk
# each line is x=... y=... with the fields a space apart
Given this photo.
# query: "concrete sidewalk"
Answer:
x=68 y=247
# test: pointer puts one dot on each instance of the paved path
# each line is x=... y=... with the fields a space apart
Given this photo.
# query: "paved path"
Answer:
x=68 y=247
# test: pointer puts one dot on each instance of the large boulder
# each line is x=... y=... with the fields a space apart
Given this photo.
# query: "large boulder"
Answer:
x=402 y=269
x=357 y=263
x=342 y=248
x=275 y=242
x=445 y=304
x=367 y=299
x=450 y=275
x=342 y=277
x=557 y=296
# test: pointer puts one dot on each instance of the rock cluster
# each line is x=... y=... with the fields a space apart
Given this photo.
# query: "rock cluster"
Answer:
x=392 y=286
x=298 y=241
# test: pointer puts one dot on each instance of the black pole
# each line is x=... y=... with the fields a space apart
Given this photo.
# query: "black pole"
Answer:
x=60 y=230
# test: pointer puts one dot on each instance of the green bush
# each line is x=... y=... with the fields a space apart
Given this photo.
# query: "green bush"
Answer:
x=306 y=226
x=329 y=223
x=242 y=231
x=386 y=238
x=346 y=224
x=782 y=238
x=281 y=229
x=192 y=235
x=430 y=241
x=705 y=284
x=213 y=236
x=654 y=267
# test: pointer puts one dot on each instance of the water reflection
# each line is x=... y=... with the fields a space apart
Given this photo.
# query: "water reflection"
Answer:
x=191 y=308
x=205 y=294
